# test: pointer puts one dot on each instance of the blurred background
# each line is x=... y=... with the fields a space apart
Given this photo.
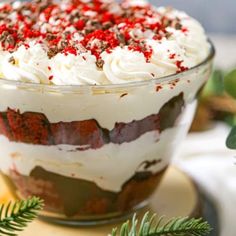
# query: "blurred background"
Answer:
x=217 y=16
x=219 y=19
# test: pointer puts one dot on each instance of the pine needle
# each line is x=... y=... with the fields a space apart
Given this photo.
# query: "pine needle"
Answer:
x=16 y=216
x=150 y=226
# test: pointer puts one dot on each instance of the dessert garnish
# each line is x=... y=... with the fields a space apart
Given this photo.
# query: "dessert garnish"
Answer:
x=16 y=216
x=74 y=27
x=152 y=226
x=96 y=41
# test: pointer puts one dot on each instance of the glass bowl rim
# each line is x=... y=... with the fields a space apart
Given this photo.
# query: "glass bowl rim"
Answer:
x=88 y=88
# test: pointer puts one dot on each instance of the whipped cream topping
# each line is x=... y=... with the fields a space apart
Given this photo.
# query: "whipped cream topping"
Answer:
x=96 y=42
x=26 y=64
x=75 y=70
x=123 y=65
x=135 y=3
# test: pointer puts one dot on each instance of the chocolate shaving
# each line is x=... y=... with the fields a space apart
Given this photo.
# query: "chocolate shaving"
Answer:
x=121 y=38
x=4 y=36
x=95 y=23
x=12 y=60
x=88 y=31
x=50 y=37
x=92 y=26
x=10 y=39
x=166 y=22
x=74 y=17
x=107 y=25
x=100 y=63
x=103 y=45
x=168 y=35
x=62 y=44
x=52 y=52
x=10 y=42
x=53 y=26
x=178 y=26
x=43 y=4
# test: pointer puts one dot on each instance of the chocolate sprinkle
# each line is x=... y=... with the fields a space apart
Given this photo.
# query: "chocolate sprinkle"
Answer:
x=12 y=60
x=53 y=52
x=100 y=63
x=99 y=28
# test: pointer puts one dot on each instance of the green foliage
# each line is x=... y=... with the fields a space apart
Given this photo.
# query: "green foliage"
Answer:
x=230 y=120
x=230 y=88
x=231 y=140
x=215 y=85
x=150 y=226
x=15 y=216
x=230 y=83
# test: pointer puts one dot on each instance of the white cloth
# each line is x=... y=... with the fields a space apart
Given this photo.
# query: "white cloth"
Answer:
x=205 y=157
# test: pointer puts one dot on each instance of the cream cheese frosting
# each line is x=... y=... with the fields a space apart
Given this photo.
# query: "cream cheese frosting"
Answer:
x=80 y=43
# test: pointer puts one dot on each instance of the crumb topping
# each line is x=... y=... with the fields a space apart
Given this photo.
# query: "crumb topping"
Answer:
x=96 y=42
x=78 y=26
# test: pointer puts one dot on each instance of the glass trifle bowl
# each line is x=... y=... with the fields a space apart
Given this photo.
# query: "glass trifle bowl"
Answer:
x=92 y=114
x=94 y=152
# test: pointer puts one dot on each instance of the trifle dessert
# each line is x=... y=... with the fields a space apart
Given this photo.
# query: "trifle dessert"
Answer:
x=95 y=97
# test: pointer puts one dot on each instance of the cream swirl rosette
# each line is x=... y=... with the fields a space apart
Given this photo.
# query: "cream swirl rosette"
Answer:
x=27 y=64
x=166 y=54
x=75 y=70
x=123 y=65
x=191 y=38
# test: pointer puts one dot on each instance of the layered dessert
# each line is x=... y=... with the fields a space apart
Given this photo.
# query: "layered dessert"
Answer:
x=95 y=97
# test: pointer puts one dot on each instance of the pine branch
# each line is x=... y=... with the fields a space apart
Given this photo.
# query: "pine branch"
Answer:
x=150 y=226
x=15 y=216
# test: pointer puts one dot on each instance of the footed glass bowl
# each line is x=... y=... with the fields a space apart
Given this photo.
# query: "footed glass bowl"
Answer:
x=94 y=153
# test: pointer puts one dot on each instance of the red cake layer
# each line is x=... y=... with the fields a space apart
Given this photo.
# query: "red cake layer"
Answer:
x=80 y=198
x=35 y=128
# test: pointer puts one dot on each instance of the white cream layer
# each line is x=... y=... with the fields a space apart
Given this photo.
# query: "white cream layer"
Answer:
x=107 y=107
x=109 y=167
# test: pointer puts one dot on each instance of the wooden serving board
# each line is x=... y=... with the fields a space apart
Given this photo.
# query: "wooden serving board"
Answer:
x=177 y=196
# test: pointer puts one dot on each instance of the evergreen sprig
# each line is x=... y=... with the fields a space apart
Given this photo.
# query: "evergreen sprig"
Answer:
x=150 y=226
x=15 y=216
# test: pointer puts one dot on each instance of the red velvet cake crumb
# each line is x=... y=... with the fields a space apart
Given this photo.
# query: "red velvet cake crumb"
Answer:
x=99 y=26
x=181 y=68
x=35 y=128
